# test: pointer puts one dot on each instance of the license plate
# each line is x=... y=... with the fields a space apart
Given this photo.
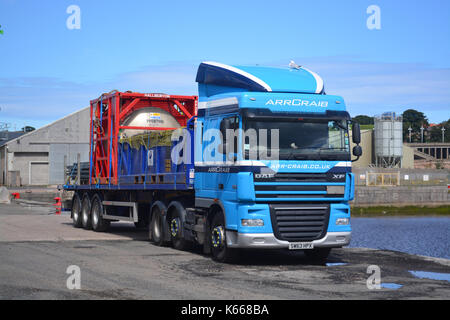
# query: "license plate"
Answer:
x=301 y=245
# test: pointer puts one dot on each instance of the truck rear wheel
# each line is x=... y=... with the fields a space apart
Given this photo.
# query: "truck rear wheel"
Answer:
x=98 y=223
x=76 y=211
x=219 y=250
x=86 y=212
x=156 y=227
x=176 y=232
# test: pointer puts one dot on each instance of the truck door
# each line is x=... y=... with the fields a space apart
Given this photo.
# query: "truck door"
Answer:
x=227 y=179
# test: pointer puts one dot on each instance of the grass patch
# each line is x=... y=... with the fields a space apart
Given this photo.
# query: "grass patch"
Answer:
x=383 y=211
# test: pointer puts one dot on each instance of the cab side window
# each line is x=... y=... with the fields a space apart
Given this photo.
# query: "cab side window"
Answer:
x=232 y=123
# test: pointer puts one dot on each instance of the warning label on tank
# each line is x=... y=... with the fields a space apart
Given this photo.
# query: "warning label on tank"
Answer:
x=155 y=118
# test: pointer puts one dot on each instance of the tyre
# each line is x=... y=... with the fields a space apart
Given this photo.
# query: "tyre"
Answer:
x=76 y=211
x=318 y=255
x=176 y=232
x=156 y=227
x=220 y=252
x=98 y=223
x=86 y=212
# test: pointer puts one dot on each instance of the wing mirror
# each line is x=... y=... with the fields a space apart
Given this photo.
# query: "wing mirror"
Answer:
x=356 y=138
x=356 y=133
x=357 y=151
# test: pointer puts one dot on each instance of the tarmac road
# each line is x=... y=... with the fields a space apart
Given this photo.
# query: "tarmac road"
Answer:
x=37 y=248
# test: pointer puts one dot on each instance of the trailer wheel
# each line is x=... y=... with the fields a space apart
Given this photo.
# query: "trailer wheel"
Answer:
x=85 y=212
x=76 y=211
x=176 y=232
x=156 y=227
x=219 y=250
x=98 y=223
x=318 y=255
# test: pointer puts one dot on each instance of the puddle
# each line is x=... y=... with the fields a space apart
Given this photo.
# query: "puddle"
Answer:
x=334 y=264
x=393 y=286
x=431 y=275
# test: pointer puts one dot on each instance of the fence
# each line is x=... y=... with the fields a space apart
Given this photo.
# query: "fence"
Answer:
x=383 y=179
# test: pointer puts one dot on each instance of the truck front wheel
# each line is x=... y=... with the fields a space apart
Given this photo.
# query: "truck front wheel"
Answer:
x=219 y=250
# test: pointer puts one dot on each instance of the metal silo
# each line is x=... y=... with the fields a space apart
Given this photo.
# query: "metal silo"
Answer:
x=388 y=132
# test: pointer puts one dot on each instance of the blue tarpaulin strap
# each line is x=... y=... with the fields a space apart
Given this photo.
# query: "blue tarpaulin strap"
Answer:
x=148 y=150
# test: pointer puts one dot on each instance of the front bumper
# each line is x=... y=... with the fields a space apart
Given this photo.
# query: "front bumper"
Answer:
x=268 y=240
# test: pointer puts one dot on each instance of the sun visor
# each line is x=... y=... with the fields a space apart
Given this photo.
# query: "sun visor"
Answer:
x=259 y=79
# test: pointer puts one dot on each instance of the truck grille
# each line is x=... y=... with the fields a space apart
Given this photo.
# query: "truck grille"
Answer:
x=287 y=186
x=299 y=222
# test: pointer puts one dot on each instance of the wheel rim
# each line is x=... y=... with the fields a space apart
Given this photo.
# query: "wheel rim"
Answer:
x=217 y=237
x=174 y=227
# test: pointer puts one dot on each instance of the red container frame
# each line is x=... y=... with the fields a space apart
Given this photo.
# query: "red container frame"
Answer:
x=107 y=114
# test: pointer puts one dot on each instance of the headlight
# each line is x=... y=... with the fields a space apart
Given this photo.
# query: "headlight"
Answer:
x=342 y=221
x=252 y=222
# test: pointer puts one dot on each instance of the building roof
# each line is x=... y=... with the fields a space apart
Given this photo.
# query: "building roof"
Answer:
x=6 y=136
x=24 y=134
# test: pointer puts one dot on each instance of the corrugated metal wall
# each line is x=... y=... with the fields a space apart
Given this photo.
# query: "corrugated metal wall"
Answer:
x=56 y=159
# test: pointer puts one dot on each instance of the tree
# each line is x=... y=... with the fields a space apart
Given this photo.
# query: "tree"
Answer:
x=363 y=119
x=28 y=129
x=435 y=133
x=414 y=119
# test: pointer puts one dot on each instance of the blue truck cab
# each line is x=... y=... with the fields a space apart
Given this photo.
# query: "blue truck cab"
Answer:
x=272 y=154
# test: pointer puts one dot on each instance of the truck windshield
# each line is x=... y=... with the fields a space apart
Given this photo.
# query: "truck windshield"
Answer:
x=301 y=139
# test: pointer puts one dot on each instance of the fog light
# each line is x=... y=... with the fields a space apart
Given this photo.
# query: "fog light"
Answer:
x=252 y=222
x=342 y=221
x=337 y=190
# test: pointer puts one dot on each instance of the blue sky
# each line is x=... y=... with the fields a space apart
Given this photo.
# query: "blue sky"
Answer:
x=48 y=71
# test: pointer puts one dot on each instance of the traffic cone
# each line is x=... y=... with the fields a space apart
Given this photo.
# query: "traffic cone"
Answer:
x=58 y=205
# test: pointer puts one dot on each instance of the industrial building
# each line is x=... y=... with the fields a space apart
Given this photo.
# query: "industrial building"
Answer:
x=368 y=158
x=39 y=157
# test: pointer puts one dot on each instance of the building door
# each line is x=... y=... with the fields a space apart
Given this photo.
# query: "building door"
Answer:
x=39 y=173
